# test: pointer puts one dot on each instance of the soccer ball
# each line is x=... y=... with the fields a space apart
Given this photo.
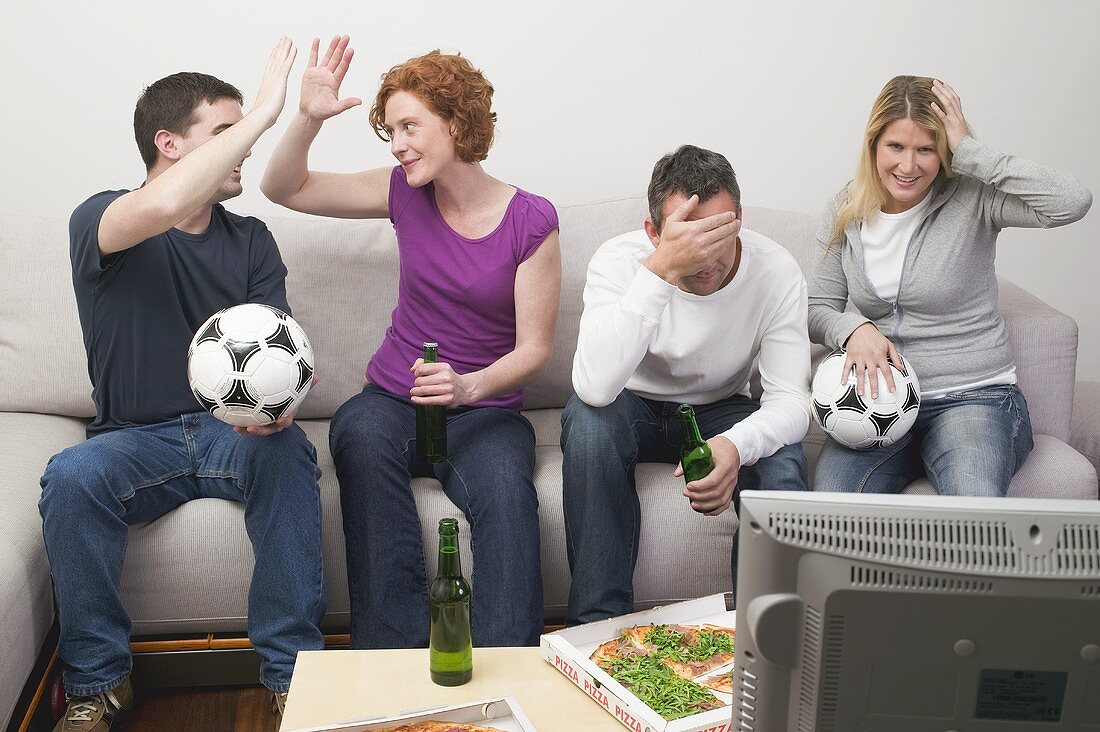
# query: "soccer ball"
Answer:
x=250 y=364
x=860 y=422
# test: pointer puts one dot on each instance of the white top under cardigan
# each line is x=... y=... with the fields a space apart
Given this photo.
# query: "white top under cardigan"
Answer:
x=885 y=239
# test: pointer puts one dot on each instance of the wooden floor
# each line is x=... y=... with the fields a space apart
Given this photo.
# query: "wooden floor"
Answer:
x=231 y=709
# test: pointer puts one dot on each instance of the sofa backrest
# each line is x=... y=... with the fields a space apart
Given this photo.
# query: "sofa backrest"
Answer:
x=342 y=286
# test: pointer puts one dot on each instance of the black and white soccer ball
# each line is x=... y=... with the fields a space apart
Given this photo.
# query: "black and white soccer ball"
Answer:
x=858 y=421
x=250 y=364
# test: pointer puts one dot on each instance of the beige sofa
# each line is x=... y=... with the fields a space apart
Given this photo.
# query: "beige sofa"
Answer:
x=189 y=571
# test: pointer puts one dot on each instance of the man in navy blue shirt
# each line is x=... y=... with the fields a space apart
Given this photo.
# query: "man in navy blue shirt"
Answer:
x=149 y=266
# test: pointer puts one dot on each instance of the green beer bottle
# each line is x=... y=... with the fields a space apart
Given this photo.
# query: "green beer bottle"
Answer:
x=695 y=454
x=431 y=422
x=451 y=648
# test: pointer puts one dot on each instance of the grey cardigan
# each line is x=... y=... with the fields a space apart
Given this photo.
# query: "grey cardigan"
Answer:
x=945 y=319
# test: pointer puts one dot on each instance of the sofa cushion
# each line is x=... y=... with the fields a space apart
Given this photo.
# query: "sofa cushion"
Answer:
x=1084 y=434
x=26 y=594
x=185 y=572
x=40 y=339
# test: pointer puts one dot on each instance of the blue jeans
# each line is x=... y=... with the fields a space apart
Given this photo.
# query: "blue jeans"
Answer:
x=601 y=447
x=968 y=443
x=487 y=475
x=93 y=492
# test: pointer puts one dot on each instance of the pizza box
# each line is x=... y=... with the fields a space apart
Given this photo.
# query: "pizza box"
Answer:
x=568 y=651
x=502 y=713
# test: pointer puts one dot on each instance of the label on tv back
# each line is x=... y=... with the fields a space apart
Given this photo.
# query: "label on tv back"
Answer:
x=1022 y=696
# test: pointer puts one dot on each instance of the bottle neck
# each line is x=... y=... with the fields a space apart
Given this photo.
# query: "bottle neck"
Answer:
x=450 y=565
x=692 y=436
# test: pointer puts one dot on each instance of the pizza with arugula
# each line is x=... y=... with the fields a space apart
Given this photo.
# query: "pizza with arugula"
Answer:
x=659 y=663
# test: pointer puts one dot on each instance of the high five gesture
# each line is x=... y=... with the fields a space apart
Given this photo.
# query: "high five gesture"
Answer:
x=321 y=82
x=271 y=95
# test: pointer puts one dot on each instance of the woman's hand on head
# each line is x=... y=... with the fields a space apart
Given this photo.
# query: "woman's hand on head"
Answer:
x=870 y=352
x=950 y=112
x=320 y=98
x=437 y=384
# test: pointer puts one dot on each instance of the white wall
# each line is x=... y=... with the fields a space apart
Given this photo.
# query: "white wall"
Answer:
x=589 y=94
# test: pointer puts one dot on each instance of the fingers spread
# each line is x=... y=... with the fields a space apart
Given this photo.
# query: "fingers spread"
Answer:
x=338 y=54
x=331 y=49
x=345 y=62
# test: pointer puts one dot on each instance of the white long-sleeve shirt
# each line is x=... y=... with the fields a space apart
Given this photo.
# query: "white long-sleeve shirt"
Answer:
x=644 y=334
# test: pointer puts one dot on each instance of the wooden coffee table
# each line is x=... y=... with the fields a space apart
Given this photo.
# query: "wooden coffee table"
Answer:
x=338 y=686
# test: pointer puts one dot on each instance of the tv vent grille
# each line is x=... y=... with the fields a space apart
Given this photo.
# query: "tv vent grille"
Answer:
x=746 y=693
x=893 y=580
x=830 y=677
x=940 y=543
x=1091 y=591
x=811 y=654
x=1079 y=548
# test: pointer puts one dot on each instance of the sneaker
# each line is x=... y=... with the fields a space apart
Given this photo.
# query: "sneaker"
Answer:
x=96 y=713
x=278 y=704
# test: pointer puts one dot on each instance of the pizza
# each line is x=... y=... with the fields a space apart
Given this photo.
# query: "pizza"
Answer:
x=440 y=727
x=621 y=647
x=659 y=663
x=722 y=682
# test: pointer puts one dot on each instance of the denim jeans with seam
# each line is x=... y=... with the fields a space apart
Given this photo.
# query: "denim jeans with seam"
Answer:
x=93 y=492
x=968 y=443
x=487 y=476
x=601 y=447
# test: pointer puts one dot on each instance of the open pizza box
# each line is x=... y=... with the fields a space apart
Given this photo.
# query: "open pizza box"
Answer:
x=568 y=651
x=502 y=713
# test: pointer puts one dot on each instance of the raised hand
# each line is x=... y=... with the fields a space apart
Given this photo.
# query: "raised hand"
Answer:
x=869 y=351
x=686 y=246
x=950 y=111
x=272 y=93
x=321 y=82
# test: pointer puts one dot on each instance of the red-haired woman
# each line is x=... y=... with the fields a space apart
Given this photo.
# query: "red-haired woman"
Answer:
x=469 y=244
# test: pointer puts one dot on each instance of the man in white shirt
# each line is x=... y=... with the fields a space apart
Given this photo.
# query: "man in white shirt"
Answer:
x=675 y=314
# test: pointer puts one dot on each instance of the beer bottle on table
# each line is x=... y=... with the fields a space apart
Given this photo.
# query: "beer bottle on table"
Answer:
x=695 y=455
x=450 y=649
x=431 y=422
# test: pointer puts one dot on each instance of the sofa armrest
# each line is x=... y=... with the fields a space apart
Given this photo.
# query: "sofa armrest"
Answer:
x=1044 y=348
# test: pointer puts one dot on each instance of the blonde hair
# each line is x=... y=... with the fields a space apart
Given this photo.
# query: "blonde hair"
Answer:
x=903 y=97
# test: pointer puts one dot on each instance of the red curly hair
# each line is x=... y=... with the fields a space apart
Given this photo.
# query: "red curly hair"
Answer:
x=451 y=87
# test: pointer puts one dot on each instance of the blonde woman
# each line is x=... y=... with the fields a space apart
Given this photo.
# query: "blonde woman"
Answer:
x=911 y=241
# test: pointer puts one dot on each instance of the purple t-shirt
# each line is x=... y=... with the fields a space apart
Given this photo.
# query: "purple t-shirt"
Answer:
x=455 y=291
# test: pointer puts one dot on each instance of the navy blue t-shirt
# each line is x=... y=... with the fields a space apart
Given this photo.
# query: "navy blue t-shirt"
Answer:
x=139 y=308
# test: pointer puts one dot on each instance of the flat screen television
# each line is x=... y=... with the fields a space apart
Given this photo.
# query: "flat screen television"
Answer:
x=860 y=613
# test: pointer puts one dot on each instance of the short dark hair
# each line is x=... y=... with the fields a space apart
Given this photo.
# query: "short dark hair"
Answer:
x=169 y=104
x=689 y=171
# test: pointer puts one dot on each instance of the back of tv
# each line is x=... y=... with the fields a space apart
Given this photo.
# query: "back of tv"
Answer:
x=917 y=614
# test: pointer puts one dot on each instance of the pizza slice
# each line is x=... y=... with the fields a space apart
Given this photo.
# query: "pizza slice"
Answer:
x=617 y=648
x=722 y=682
x=638 y=634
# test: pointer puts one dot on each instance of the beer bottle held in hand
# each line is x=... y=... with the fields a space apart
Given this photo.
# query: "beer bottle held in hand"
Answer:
x=431 y=422
x=450 y=648
x=695 y=454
